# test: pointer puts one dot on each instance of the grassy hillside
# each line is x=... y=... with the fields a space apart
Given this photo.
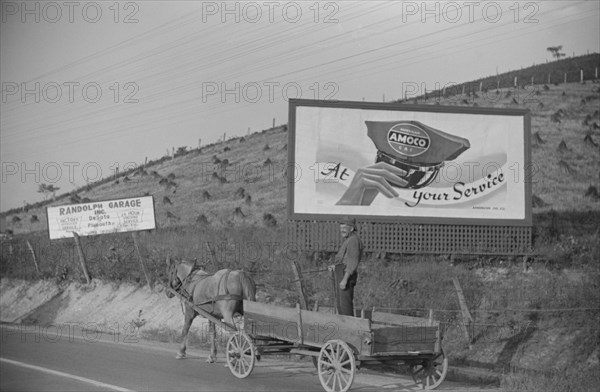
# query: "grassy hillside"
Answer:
x=206 y=185
x=248 y=173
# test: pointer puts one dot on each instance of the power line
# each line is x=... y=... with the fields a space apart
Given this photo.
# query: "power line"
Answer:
x=219 y=108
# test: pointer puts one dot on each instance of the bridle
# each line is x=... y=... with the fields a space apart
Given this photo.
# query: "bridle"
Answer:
x=174 y=278
x=178 y=285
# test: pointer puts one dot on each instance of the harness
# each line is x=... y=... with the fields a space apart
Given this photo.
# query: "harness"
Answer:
x=195 y=276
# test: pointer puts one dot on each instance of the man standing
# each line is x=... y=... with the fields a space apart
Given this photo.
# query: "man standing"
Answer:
x=345 y=267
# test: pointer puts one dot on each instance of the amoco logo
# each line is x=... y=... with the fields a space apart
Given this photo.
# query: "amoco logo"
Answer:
x=408 y=139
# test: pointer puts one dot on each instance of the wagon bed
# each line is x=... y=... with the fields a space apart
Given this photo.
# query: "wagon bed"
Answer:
x=339 y=344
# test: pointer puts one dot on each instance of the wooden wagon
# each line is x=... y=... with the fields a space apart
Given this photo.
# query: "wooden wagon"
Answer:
x=339 y=345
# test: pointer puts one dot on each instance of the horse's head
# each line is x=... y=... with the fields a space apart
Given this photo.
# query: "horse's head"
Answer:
x=173 y=280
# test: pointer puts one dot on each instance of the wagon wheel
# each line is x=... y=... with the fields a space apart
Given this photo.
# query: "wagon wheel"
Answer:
x=336 y=366
x=429 y=373
x=240 y=355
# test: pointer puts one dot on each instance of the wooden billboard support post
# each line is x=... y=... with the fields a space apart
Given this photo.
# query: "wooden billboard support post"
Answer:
x=141 y=260
x=82 y=258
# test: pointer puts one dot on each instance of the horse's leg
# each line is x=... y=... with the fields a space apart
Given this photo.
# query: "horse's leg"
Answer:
x=227 y=313
x=212 y=357
x=187 y=323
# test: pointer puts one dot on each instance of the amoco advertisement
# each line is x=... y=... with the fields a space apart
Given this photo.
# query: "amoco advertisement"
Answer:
x=423 y=163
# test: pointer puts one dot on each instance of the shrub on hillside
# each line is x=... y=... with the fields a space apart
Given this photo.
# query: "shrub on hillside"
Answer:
x=269 y=220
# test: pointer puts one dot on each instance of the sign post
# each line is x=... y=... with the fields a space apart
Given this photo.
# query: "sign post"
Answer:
x=82 y=260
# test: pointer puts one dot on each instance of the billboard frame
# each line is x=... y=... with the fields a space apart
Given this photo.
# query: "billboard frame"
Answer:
x=294 y=104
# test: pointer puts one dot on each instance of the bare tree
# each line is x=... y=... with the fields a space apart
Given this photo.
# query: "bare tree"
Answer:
x=556 y=51
x=47 y=189
x=181 y=151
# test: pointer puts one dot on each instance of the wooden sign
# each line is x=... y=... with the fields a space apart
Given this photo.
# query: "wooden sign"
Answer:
x=101 y=217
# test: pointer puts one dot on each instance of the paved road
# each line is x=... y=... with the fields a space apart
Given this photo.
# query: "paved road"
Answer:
x=53 y=359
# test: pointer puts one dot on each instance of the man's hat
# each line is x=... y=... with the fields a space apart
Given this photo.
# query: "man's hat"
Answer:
x=348 y=221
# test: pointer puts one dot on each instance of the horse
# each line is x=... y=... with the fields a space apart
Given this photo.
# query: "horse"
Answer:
x=220 y=294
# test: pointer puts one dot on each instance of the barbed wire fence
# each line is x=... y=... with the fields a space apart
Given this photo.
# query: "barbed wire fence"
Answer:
x=551 y=73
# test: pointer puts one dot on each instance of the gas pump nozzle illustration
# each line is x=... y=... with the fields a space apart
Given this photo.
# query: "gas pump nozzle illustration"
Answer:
x=416 y=148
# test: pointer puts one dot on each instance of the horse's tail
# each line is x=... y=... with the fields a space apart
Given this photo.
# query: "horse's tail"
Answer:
x=248 y=286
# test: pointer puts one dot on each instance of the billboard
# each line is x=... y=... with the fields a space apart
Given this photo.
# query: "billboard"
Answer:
x=101 y=217
x=393 y=162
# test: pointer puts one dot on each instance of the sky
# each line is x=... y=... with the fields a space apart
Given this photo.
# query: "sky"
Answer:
x=92 y=86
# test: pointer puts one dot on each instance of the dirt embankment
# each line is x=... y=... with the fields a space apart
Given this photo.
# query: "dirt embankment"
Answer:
x=115 y=308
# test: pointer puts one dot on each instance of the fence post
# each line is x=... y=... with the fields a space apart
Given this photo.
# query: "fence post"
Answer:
x=466 y=315
x=213 y=256
x=139 y=255
x=37 y=268
x=298 y=278
x=81 y=258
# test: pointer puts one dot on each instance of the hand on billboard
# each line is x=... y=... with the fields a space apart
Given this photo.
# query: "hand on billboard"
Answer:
x=369 y=181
